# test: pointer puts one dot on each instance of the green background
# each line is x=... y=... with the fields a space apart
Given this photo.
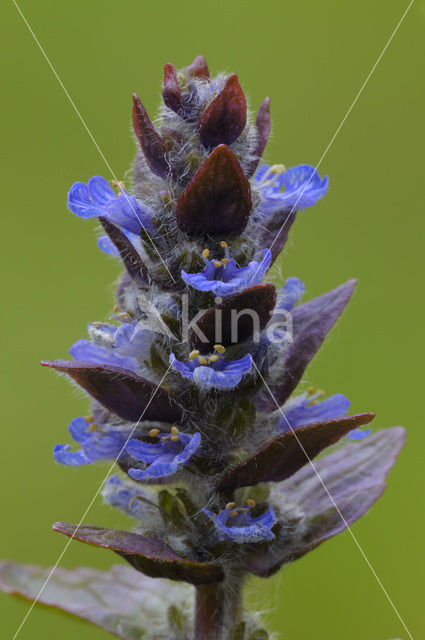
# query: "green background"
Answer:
x=311 y=58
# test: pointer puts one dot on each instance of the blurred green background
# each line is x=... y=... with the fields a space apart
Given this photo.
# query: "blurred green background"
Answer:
x=311 y=58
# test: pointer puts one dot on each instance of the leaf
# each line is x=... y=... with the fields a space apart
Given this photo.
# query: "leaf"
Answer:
x=121 y=600
x=121 y=391
x=130 y=257
x=225 y=118
x=355 y=477
x=151 y=143
x=171 y=92
x=147 y=554
x=259 y=299
x=198 y=68
x=311 y=324
x=281 y=457
x=263 y=126
x=218 y=198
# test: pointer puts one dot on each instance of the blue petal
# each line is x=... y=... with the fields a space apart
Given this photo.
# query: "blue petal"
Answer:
x=304 y=187
x=158 y=469
x=358 y=434
x=290 y=294
x=79 y=202
x=79 y=429
x=86 y=351
x=185 y=369
x=103 y=447
x=100 y=190
x=107 y=246
x=298 y=412
x=63 y=454
x=131 y=340
x=123 y=495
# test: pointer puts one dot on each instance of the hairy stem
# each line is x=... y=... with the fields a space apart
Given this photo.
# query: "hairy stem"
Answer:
x=209 y=612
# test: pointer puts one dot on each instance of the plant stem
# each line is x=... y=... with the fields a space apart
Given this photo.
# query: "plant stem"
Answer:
x=209 y=611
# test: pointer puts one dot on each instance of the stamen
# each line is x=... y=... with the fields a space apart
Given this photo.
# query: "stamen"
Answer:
x=88 y=418
x=230 y=505
x=174 y=431
x=205 y=253
x=223 y=244
x=116 y=308
x=174 y=438
x=311 y=390
x=225 y=260
x=219 y=348
x=93 y=427
x=153 y=433
x=194 y=354
x=202 y=360
x=217 y=264
x=214 y=358
x=277 y=168
x=233 y=513
x=250 y=502
x=320 y=392
x=118 y=184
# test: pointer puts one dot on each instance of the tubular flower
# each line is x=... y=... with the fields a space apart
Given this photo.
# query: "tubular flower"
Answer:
x=98 y=442
x=165 y=457
x=223 y=277
x=212 y=371
x=200 y=338
x=236 y=524
x=302 y=186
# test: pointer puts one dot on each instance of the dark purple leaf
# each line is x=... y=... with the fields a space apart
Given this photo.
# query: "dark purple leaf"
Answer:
x=148 y=555
x=259 y=299
x=121 y=391
x=311 y=324
x=121 y=600
x=151 y=143
x=218 y=198
x=171 y=93
x=225 y=118
x=130 y=257
x=281 y=457
x=355 y=477
x=198 y=68
x=263 y=126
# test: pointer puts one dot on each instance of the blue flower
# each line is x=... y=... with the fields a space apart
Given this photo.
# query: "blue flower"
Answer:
x=303 y=187
x=98 y=199
x=87 y=351
x=98 y=442
x=124 y=495
x=238 y=525
x=223 y=277
x=212 y=371
x=305 y=409
x=106 y=245
x=165 y=457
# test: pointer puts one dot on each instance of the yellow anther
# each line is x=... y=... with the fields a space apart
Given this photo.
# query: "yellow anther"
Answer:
x=123 y=316
x=233 y=513
x=250 y=502
x=320 y=392
x=214 y=358
x=278 y=168
x=153 y=433
x=118 y=184
x=116 y=308
x=225 y=260
x=205 y=253
x=217 y=264
x=174 y=438
x=230 y=505
x=219 y=348
x=202 y=360
x=88 y=418
x=194 y=354
x=223 y=244
x=243 y=509
x=174 y=431
x=311 y=390
x=93 y=427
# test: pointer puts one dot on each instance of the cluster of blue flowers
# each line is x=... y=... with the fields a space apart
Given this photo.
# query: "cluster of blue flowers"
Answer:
x=192 y=378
